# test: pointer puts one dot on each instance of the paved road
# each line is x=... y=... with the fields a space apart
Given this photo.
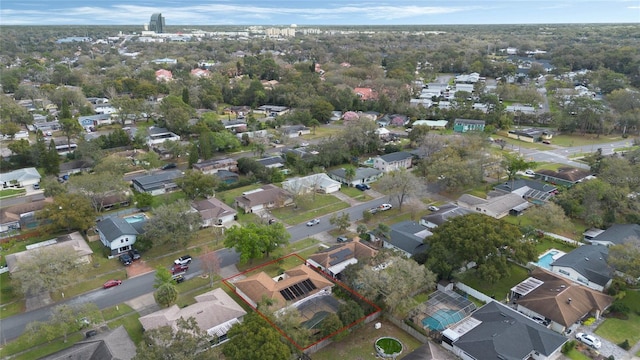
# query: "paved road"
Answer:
x=561 y=155
x=14 y=326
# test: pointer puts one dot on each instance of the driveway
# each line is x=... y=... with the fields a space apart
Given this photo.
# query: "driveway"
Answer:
x=608 y=348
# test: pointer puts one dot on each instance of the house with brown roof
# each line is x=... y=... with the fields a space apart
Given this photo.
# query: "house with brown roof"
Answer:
x=557 y=301
x=212 y=166
x=336 y=258
x=215 y=312
x=17 y=216
x=292 y=286
x=566 y=176
x=366 y=93
x=164 y=75
x=214 y=212
x=267 y=197
x=73 y=242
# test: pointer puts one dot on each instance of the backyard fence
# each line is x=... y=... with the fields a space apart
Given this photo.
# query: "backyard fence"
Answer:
x=408 y=329
x=475 y=293
x=321 y=344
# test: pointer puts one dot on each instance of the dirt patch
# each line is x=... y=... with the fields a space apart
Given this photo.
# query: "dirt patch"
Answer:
x=138 y=268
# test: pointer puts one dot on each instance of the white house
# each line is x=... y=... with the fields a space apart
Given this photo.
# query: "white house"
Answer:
x=117 y=234
x=159 y=135
x=317 y=182
x=214 y=212
x=394 y=161
x=20 y=178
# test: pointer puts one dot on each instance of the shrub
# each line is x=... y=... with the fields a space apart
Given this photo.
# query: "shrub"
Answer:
x=589 y=321
x=568 y=346
x=625 y=344
x=619 y=307
x=366 y=215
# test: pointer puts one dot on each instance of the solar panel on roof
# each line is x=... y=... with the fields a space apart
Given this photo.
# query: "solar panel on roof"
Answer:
x=294 y=289
x=309 y=284
x=286 y=294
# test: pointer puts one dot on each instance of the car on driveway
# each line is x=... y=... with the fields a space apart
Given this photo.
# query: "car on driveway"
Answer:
x=342 y=239
x=433 y=208
x=111 y=283
x=183 y=260
x=590 y=340
x=363 y=187
x=385 y=207
x=169 y=166
x=178 y=269
x=125 y=259
x=313 y=222
x=135 y=254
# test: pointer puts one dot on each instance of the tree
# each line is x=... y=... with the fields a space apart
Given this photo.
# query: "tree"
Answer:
x=69 y=212
x=52 y=187
x=166 y=295
x=186 y=342
x=341 y=221
x=350 y=312
x=52 y=160
x=253 y=240
x=291 y=322
x=625 y=257
x=172 y=224
x=514 y=163
x=98 y=187
x=400 y=185
x=66 y=319
x=210 y=265
x=477 y=238
x=330 y=324
x=163 y=276
x=196 y=184
x=143 y=200
x=418 y=133
x=254 y=338
x=549 y=216
x=349 y=174
x=321 y=110
x=70 y=128
x=47 y=270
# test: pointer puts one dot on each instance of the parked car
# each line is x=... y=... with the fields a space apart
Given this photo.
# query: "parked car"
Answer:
x=125 y=259
x=91 y=333
x=183 y=260
x=529 y=172
x=546 y=142
x=363 y=187
x=177 y=269
x=36 y=186
x=313 y=222
x=111 y=283
x=135 y=254
x=304 y=144
x=341 y=239
x=373 y=210
x=169 y=166
x=385 y=207
x=590 y=340
x=433 y=208
x=179 y=279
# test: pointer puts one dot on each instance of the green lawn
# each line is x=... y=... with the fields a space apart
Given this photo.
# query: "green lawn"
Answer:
x=131 y=324
x=115 y=311
x=167 y=198
x=576 y=355
x=11 y=193
x=50 y=348
x=570 y=140
x=499 y=289
x=322 y=205
x=355 y=193
x=547 y=243
x=617 y=330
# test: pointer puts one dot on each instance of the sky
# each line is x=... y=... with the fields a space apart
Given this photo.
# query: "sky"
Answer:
x=316 y=12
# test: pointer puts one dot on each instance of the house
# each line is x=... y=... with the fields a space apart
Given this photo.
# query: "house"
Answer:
x=518 y=108
x=197 y=72
x=235 y=126
x=215 y=312
x=90 y=121
x=227 y=177
x=267 y=197
x=272 y=161
x=273 y=110
x=566 y=176
x=20 y=178
x=105 y=109
x=496 y=207
x=432 y=124
x=22 y=216
x=495 y=331
x=292 y=286
x=118 y=235
x=111 y=345
x=394 y=120
x=464 y=125
x=164 y=75
x=444 y=213
x=241 y=110
x=527 y=189
x=407 y=237
x=336 y=258
x=560 y=302
x=321 y=183
x=73 y=243
x=214 y=212
x=212 y=166
x=365 y=93
x=382 y=133
x=361 y=176
x=158 y=183
x=393 y=161
x=617 y=234
x=467 y=78
x=586 y=265
x=74 y=167
x=295 y=130
x=530 y=135
x=160 y=135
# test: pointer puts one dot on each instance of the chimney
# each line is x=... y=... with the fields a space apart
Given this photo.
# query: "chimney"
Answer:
x=569 y=301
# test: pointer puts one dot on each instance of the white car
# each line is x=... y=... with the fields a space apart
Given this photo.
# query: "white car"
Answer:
x=590 y=340
x=384 y=207
x=433 y=208
x=313 y=222
x=530 y=172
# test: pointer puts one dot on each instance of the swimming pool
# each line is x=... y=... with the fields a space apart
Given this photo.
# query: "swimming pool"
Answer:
x=441 y=319
x=135 y=218
x=545 y=260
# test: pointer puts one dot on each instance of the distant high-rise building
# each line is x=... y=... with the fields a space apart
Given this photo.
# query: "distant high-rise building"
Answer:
x=157 y=23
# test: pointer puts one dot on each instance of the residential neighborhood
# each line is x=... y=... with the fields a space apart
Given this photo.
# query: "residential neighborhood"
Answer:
x=301 y=192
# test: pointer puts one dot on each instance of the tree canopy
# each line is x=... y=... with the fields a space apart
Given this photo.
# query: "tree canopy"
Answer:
x=186 y=342
x=253 y=241
x=254 y=338
x=172 y=224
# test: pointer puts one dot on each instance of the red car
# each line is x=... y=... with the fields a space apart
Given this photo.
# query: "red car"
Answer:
x=111 y=283
x=177 y=269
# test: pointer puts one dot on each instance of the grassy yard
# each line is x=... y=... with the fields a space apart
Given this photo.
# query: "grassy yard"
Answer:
x=115 y=311
x=167 y=198
x=570 y=140
x=322 y=205
x=547 y=243
x=7 y=193
x=360 y=343
x=355 y=193
x=49 y=348
x=228 y=196
x=322 y=132
x=499 y=289
x=131 y=324
x=617 y=330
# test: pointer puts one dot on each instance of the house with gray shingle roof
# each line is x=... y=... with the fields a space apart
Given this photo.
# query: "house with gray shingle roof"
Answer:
x=566 y=176
x=616 y=234
x=496 y=207
x=112 y=345
x=267 y=197
x=495 y=331
x=362 y=176
x=586 y=265
x=407 y=237
x=528 y=189
x=444 y=213
x=117 y=234
x=158 y=183
x=393 y=161
x=20 y=178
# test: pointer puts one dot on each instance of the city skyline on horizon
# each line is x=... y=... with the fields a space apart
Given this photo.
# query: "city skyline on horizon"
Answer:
x=314 y=12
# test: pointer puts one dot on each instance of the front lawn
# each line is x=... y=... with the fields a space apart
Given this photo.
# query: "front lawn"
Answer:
x=355 y=194
x=322 y=205
x=131 y=324
x=7 y=193
x=617 y=330
x=500 y=289
x=570 y=140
